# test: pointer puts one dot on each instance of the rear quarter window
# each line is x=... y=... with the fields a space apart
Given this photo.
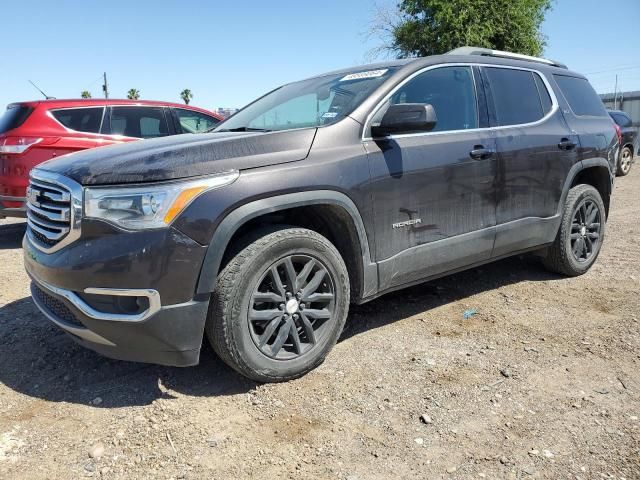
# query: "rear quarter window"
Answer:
x=80 y=119
x=582 y=98
x=13 y=117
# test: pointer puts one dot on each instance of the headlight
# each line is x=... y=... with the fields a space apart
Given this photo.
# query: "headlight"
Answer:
x=148 y=206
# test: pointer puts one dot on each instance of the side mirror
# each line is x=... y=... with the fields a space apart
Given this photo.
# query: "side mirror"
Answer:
x=406 y=118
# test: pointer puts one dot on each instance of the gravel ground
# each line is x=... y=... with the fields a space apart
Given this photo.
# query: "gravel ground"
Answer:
x=542 y=382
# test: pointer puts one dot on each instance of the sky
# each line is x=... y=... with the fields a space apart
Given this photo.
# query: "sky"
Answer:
x=228 y=53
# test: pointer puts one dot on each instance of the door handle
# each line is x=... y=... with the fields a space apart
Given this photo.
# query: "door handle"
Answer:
x=566 y=144
x=480 y=152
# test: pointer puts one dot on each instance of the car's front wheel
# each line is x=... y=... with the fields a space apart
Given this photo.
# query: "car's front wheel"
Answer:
x=280 y=305
x=624 y=164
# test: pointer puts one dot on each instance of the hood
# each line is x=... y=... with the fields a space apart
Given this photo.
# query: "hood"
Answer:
x=182 y=156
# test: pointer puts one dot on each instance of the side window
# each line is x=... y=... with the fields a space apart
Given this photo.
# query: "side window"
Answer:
x=582 y=98
x=80 y=119
x=545 y=98
x=451 y=92
x=195 y=122
x=138 y=122
x=515 y=96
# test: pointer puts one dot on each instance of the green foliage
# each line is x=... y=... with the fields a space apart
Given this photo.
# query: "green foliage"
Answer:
x=133 y=94
x=85 y=94
x=432 y=27
x=186 y=96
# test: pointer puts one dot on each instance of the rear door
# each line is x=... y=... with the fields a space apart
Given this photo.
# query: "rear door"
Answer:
x=138 y=121
x=536 y=150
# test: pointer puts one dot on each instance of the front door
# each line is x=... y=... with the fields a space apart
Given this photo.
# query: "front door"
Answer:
x=433 y=193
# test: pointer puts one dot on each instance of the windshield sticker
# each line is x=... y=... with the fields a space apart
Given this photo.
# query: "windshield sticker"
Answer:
x=361 y=75
x=330 y=115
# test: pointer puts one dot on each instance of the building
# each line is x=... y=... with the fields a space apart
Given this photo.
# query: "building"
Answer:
x=627 y=101
x=226 y=112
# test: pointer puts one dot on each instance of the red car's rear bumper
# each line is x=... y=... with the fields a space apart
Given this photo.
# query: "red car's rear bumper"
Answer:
x=12 y=206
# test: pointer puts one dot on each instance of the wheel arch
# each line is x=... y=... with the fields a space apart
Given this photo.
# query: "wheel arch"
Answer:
x=595 y=172
x=334 y=215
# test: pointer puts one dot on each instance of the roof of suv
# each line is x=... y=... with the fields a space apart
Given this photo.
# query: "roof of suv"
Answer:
x=453 y=57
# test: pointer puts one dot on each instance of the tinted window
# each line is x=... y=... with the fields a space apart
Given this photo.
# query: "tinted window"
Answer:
x=451 y=92
x=139 y=122
x=545 y=98
x=515 y=96
x=80 y=119
x=13 y=117
x=581 y=96
x=621 y=120
x=195 y=122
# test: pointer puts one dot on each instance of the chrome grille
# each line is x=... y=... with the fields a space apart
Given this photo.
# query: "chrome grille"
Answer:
x=54 y=208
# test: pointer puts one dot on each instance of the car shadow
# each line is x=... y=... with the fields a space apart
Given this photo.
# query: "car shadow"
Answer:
x=40 y=361
x=426 y=296
x=11 y=235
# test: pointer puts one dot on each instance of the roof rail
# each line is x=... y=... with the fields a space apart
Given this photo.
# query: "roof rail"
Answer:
x=487 y=52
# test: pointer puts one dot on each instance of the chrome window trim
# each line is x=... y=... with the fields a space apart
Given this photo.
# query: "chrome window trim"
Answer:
x=380 y=104
x=75 y=205
x=152 y=295
x=71 y=130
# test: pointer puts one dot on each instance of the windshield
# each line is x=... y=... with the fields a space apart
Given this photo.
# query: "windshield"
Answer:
x=309 y=103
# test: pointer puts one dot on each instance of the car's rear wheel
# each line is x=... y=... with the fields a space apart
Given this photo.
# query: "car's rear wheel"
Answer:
x=624 y=164
x=581 y=233
x=280 y=305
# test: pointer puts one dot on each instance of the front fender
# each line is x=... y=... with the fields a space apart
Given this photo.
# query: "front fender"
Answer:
x=244 y=213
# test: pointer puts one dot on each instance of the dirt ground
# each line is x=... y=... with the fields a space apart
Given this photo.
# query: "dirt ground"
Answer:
x=543 y=382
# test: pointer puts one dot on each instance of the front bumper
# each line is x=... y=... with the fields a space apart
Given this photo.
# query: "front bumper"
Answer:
x=20 y=212
x=126 y=295
x=170 y=336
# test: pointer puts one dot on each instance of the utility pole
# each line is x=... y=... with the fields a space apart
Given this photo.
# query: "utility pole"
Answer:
x=105 y=87
x=615 y=95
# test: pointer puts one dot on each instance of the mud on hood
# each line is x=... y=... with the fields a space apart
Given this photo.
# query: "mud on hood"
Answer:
x=182 y=156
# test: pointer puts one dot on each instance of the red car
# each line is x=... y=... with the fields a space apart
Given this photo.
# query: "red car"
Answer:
x=33 y=132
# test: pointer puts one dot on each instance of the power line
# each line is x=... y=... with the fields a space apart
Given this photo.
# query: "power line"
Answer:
x=609 y=70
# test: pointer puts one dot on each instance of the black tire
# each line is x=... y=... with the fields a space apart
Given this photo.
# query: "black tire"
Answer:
x=561 y=256
x=624 y=161
x=239 y=340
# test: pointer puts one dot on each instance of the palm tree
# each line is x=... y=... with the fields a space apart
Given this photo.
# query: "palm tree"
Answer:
x=133 y=94
x=85 y=94
x=186 y=95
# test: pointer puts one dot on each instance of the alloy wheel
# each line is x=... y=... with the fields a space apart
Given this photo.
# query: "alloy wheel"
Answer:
x=625 y=160
x=292 y=307
x=585 y=230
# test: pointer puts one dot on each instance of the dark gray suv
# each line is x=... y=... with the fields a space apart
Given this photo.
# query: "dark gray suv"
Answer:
x=324 y=192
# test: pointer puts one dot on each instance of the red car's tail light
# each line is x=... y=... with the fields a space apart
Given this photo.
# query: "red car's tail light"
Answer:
x=618 y=133
x=18 y=145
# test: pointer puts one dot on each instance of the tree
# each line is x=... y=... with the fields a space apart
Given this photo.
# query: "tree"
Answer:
x=133 y=94
x=432 y=27
x=186 y=96
x=85 y=94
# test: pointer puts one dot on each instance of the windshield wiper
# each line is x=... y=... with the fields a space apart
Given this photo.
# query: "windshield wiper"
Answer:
x=244 y=129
